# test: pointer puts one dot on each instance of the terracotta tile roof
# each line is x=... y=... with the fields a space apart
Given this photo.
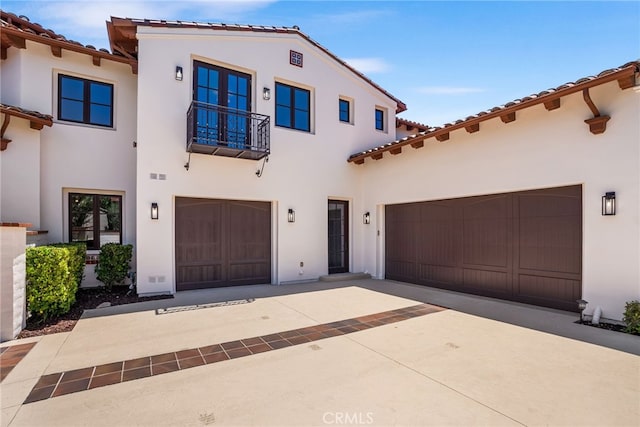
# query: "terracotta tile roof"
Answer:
x=122 y=36
x=23 y=113
x=625 y=75
x=411 y=124
x=16 y=29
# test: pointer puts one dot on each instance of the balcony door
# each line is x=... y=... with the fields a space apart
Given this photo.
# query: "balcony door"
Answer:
x=228 y=93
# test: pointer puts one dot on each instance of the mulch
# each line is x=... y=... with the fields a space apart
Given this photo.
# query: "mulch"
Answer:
x=86 y=299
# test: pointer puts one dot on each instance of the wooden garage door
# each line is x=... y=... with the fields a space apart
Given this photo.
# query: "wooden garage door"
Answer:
x=222 y=243
x=524 y=246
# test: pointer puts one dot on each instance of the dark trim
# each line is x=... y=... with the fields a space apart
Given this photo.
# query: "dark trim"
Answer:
x=95 y=212
x=341 y=103
x=86 y=101
x=379 y=119
x=293 y=107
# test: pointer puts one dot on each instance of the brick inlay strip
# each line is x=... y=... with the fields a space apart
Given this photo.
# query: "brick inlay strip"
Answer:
x=76 y=380
x=11 y=356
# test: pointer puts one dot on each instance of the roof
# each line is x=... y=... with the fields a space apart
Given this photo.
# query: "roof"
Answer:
x=38 y=120
x=17 y=29
x=411 y=124
x=122 y=36
x=625 y=75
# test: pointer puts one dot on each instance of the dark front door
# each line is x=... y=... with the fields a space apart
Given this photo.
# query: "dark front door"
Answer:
x=231 y=92
x=524 y=246
x=338 y=236
x=222 y=243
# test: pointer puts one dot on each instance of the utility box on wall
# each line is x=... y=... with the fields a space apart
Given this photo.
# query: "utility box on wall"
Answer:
x=13 y=243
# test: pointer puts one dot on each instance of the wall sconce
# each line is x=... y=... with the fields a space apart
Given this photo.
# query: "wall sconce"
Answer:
x=179 y=73
x=582 y=304
x=609 y=203
x=291 y=215
x=154 y=210
x=366 y=218
x=266 y=93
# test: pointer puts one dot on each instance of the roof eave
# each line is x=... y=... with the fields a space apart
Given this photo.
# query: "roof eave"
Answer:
x=625 y=77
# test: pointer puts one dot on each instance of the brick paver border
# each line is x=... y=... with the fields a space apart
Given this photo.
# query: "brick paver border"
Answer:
x=77 y=380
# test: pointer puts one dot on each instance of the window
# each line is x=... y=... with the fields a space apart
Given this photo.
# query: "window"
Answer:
x=293 y=107
x=379 y=119
x=295 y=58
x=344 y=108
x=95 y=219
x=85 y=101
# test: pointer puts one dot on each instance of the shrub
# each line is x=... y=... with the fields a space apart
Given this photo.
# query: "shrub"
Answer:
x=632 y=317
x=51 y=286
x=113 y=263
x=77 y=259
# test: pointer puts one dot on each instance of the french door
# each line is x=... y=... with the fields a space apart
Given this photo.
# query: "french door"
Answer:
x=226 y=97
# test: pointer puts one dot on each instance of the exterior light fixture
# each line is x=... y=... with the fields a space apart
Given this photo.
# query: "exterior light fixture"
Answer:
x=179 y=73
x=582 y=304
x=609 y=203
x=154 y=210
x=366 y=218
x=266 y=93
x=291 y=215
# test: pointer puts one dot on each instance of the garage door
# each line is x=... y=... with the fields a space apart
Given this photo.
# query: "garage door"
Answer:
x=524 y=246
x=222 y=243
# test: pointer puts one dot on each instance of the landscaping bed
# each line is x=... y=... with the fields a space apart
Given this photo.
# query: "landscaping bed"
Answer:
x=86 y=299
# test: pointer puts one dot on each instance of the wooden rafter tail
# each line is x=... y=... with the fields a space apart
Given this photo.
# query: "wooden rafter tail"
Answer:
x=5 y=125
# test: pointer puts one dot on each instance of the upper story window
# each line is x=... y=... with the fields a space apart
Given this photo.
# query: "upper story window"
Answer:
x=85 y=101
x=95 y=219
x=379 y=119
x=344 y=108
x=293 y=107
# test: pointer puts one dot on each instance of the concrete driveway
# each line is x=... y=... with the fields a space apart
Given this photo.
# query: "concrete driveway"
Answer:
x=342 y=355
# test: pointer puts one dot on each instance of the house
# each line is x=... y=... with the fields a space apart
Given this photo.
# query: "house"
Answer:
x=231 y=155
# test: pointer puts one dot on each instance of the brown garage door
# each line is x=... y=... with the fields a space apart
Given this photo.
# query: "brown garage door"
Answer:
x=222 y=243
x=524 y=246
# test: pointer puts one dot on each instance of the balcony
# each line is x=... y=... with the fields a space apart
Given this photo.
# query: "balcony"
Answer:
x=222 y=131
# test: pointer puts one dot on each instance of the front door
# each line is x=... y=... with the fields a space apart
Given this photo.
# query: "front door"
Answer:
x=230 y=91
x=338 y=236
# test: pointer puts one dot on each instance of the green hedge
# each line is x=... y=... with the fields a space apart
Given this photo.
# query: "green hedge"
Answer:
x=51 y=284
x=632 y=317
x=113 y=264
x=77 y=260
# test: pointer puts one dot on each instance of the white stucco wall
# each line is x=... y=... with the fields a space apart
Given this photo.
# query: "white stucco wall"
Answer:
x=20 y=175
x=304 y=169
x=69 y=157
x=540 y=149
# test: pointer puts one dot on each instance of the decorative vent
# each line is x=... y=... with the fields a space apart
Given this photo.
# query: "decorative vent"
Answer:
x=295 y=58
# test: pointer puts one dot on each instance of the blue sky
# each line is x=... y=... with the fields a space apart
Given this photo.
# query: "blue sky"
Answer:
x=445 y=60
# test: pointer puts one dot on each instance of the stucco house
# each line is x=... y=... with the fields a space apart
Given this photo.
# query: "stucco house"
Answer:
x=231 y=155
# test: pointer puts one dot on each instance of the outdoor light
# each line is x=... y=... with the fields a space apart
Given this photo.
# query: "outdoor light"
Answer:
x=154 y=210
x=582 y=304
x=291 y=215
x=366 y=218
x=179 y=73
x=609 y=203
x=266 y=93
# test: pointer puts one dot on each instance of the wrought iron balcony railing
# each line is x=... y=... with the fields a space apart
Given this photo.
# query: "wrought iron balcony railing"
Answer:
x=222 y=131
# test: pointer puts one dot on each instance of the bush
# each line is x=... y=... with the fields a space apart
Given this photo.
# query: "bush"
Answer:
x=632 y=317
x=77 y=260
x=113 y=263
x=51 y=285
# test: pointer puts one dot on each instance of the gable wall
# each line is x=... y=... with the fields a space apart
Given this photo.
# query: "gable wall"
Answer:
x=304 y=169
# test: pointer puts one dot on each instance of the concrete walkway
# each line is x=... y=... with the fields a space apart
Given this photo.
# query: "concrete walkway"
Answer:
x=473 y=364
